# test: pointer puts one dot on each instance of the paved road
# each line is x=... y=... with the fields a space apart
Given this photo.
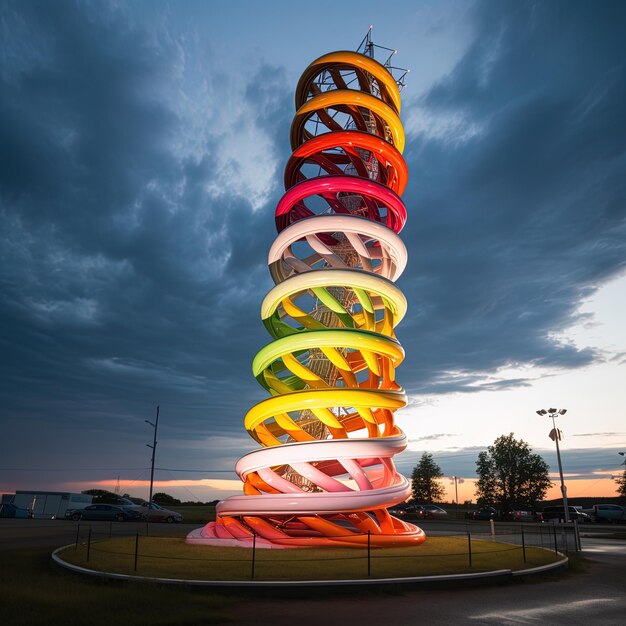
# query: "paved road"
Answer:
x=17 y=533
x=594 y=596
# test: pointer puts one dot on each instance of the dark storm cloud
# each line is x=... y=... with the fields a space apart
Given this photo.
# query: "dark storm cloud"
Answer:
x=127 y=280
x=457 y=462
x=124 y=282
x=517 y=209
x=597 y=434
x=432 y=437
x=588 y=463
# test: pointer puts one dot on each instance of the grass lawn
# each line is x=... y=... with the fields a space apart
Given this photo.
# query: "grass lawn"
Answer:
x=173 y=558
x=195 y=514
x=33 y=592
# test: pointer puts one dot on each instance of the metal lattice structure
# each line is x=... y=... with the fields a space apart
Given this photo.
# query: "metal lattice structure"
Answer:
x=324 y=474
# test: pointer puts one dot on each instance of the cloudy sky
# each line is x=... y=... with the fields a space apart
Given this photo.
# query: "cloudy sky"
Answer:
x=142 y=146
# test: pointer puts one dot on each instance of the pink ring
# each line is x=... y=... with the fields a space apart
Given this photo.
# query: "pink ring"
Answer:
x=287 y=213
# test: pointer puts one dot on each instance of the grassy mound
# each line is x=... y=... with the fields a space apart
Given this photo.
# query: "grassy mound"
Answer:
x=173 y=558
x=34 y=593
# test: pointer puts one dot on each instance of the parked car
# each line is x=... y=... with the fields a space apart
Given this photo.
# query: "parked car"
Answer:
x=431 y=511
x=398 y=509
x=112 y=498
x=154 y=513
x=558 y=512
x=8 y=509
x=583 y=516
x=608 y=513
x=519 y=515
x=414 y=510
x=484 y=513
x=103 y=512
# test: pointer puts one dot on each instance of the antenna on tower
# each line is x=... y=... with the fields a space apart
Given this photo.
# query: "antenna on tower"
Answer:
x=367 y=43
x=368 y=48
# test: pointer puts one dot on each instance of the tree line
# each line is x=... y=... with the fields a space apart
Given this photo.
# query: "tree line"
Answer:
x=103 y=496
x=510 y=476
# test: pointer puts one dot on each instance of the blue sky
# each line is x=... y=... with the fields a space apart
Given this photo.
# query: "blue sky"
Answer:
x=142 y=153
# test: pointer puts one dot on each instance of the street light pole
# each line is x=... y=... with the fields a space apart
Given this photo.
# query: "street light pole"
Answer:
x=153 y=446
x=457 y=480
x=555 y=435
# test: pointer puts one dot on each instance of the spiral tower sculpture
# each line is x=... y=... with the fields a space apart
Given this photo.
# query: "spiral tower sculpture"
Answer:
x=325 y=475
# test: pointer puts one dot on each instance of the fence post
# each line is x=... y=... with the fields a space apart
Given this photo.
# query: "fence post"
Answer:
x=492 y=526
x=88 y=543
x=253 y=552
x=469 y=548
x=523 y=544
x=577 y=536
x=77 y=536
x=556 y=551
x=136 y=549
x=369 y=553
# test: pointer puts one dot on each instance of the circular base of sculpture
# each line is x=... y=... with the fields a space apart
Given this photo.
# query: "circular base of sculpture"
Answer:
x=216 y=534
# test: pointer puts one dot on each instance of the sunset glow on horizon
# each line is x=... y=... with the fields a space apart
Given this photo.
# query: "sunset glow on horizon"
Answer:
x=206 y=489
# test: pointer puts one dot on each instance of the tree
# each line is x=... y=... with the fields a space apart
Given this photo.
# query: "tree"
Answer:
x=621 y=484
x=510 y=476
x=424 y=480
x=164 y=498
x=102 y=496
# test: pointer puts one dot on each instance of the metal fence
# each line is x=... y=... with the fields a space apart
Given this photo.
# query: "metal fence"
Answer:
x=140 y=552
x=559 y=537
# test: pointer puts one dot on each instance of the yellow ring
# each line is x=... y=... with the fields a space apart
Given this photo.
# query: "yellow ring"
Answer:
x=348 y=97
x=322 y=399
x=373 y=67
x=323 y=278
x=345 y=338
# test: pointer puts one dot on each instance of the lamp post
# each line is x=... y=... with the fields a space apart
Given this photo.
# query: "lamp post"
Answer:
x=153 y=446
x=556 y=435
x=457 y=481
